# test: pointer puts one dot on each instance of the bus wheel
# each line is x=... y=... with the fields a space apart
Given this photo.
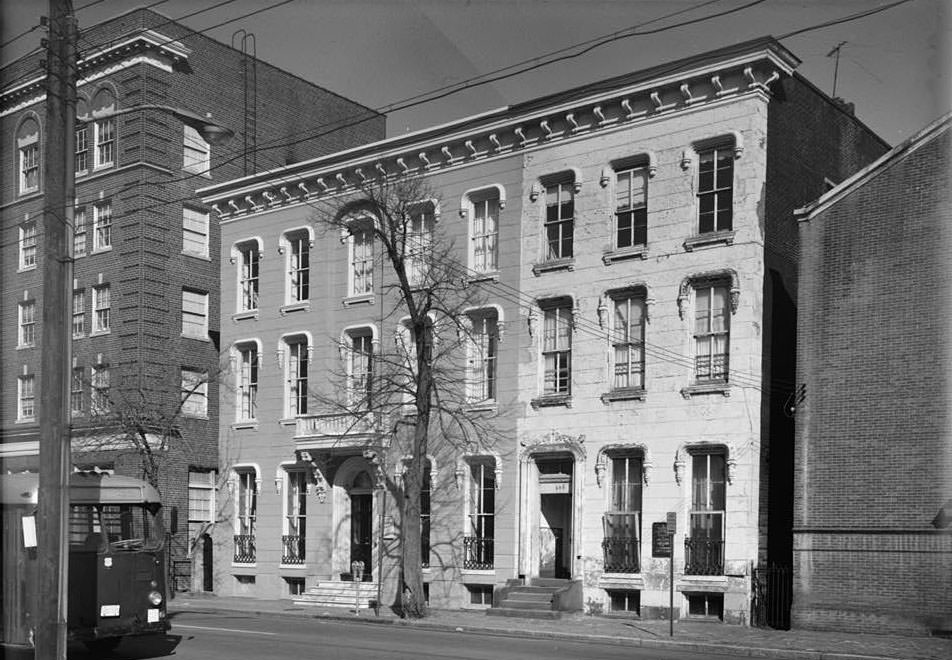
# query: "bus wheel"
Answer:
x=104 y=645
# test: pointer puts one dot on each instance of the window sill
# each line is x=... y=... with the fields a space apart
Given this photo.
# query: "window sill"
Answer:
x=717 y=387
x=26 y=420
x=488 y=276
x=198 y=171
x=304 y=306
x=481 y=406
x=238 y=564
x=552 y=400
x=205 y=338
x=472 y=571
x=26 y=269
x=554 y=265
x=291 y=567
x=203 y=417
x=100 y=250
x=244 y=316
x=100 y=333
x=364 y=299
x=196 y=255
x=625 y=394
x=240 y=426
x=622 y=254
x=287 y=421
x=725 y=237
x=82 y=336
x=695 y=583
x=23 y=347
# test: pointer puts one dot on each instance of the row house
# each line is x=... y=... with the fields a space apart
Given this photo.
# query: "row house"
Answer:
x=634 y=247
x=144 y=310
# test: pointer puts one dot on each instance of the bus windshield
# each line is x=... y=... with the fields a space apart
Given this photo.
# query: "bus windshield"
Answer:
x=114 y=527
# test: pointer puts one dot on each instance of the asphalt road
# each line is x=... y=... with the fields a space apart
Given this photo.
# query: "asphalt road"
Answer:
x=197 y=636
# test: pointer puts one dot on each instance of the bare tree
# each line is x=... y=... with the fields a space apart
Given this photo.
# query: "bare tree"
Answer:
x=421 y=382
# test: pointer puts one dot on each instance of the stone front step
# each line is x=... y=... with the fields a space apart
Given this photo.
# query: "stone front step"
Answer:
x=523 y=614
x=338 y=594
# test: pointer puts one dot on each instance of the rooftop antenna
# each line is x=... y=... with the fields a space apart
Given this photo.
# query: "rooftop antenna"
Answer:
x=836 y=66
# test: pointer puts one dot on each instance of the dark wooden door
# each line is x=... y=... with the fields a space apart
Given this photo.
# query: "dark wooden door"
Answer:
x=207 y=573
x=361 y=530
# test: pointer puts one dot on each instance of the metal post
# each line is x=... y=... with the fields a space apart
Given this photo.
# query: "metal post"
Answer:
x=383 y=508
x=54 y=382
x=671 y=588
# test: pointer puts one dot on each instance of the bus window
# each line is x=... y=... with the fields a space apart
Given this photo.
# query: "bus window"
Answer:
x=85 y=530
x=130 y=527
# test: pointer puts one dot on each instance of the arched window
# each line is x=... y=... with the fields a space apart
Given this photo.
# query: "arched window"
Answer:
x=104 y=128
x=28 y=155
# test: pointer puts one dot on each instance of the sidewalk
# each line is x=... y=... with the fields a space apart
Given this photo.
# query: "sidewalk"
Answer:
x=688 y=635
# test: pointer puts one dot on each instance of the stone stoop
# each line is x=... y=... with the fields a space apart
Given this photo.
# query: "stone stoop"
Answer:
x=533 y=601
x=338 y=594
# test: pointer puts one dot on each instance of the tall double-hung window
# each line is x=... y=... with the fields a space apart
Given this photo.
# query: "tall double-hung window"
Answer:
x=102 y=225
x=28 y=240
x=299 y=267
x=361 y=258
x=628 y=341
x=419 y=241
x=705 y=545
x=484 y=231
x=28 y=156
x=249 y=259
x=631 y=207
x=247 y=382
x=557 y=349
x=622 y=520
x=559 y=223
x=297 y=375
x=715 y=189
x=104 y=128
x=359 y=366
x=102 y=308
x=479 y=540
x=27 y=314
x=712 y=314
x=481 y=358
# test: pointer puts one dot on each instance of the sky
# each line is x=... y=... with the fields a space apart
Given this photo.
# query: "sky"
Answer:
x=894 y=65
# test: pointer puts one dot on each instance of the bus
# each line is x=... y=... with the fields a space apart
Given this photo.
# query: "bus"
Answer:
x=117 y=583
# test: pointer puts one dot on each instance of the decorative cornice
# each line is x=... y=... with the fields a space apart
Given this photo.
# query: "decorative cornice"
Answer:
x=144 y=44
x=509 y=132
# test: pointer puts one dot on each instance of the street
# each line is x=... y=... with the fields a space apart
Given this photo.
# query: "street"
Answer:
x=203 y=636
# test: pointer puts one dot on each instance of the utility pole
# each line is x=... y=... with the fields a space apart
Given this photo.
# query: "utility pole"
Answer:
x=836 y=66
x=55 y=338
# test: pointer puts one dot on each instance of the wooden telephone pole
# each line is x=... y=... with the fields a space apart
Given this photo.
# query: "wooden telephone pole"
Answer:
x=55 y=338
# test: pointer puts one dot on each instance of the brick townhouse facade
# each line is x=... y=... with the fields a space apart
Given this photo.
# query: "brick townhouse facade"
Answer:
x=145 y=322
x=873 y=548
x=635 y=245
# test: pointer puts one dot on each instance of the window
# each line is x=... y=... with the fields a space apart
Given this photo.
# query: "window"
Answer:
x=622 y=520
x=101 y=308
x=628 y=342
x=299 y=267
x=704 y=548
x=28 y=155
x=79 y=232
x=79 y=313
x=480 y=594
x=298 y=353
x=715 y=189
x=99 y=401
x=27 y=322
x=77 y=391
x=295 y=586
x=247 y=408
x=102 y=226
x=194 y=232
x=559 y=220
x=711 y=332
x=481 y=356
x=557 y=350
x=28 y=245
x=196 y=152
x=246 y=505
x=624 y=600
x=105 y=130
x=194 y=393
x=201 y=501
x=361 y=261
x=419 y=241
x=360 y=354
x=478 y=543
x=425 y=516
x=249 y=258
x=30 y=168
x=194 y=314
x=26 y=401
x=706 y=605
x=631 y=207
x=485 y=232
x=82 y=147
x=295 y=518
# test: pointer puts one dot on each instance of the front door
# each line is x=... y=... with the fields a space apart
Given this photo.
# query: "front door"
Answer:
x=361 y=530
x=555 y=517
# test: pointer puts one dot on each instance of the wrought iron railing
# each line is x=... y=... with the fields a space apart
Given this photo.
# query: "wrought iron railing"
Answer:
x=477 y=553
x=293 y=549
x=621 y=554
x=244 y=548
x=703 y=556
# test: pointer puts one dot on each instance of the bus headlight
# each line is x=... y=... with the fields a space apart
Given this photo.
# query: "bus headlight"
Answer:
x=155 y=598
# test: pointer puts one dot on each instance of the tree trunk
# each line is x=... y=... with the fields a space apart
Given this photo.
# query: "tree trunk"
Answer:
x=412 y=598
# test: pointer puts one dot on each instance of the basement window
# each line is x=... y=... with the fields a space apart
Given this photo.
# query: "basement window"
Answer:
x=295 y=585
x=707 y=606
x=480 y=594
x=624 y=601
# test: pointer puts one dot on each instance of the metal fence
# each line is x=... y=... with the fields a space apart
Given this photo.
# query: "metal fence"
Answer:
x=703 y=556
x=772 y=597
x=621 y=554
x=293 y=549
x=244 y=548
x=477 y=553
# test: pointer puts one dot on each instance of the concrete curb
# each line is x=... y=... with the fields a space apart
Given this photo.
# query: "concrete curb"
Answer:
x=697 y=647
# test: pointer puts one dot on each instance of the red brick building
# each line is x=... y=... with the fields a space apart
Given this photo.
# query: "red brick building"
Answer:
x=145 y=303
x=874 y=434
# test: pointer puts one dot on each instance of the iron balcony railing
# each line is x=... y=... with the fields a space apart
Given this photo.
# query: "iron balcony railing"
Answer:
x=477 y=553
x=703 y=556
x=621 y=554
x=293 y=549
x=244 y=548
